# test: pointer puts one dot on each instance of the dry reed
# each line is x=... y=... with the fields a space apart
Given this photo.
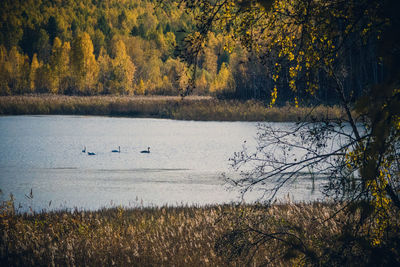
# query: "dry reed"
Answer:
x=191 y=108
x=165 y=236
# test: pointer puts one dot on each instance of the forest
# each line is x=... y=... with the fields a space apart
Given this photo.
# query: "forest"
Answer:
x=139 y=47
x=85 y=57
x=104 y=47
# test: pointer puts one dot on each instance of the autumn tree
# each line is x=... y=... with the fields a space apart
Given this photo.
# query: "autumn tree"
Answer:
x=223 y=83
x=202 y=83
x=59 y=66
x=64 y=68
x=84 y=65
x=17 y=71
x=208 y=57
x=140 y=88
x=35 y=65
x=105 y=71
x=166 y=43
x=98 y=41
x=123 y=70
x=4 y=88
x=310 y=41
x=149 y=35
x=55 y=65
x=151 y=73
x=177 y=73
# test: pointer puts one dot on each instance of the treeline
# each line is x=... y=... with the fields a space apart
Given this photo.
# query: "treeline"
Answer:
x=89 y=47
x=103 y=47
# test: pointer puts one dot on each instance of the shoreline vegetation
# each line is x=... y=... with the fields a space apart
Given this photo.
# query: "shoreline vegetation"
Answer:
x=203 y=108
x=161 y=236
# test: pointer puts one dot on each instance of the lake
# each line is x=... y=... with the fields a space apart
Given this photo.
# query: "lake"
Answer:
x=184 y=166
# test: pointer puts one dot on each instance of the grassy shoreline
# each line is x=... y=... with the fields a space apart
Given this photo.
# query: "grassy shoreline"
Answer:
x=191 y=108
x=181 y=236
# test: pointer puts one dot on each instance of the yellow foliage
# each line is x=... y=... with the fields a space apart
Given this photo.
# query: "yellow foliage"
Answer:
x=377 y=187
x=224 y=81
x=84 y=64
x=32 y=74
x=140 y=88
x=274 y=96
x=123 y=70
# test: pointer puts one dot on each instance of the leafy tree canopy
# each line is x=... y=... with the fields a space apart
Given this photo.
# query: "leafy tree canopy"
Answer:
x=300 y=43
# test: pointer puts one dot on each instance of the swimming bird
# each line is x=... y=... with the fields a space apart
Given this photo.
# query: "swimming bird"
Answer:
x=117 y=151
x=146 y=151
x=91 y=153
x=84 y=150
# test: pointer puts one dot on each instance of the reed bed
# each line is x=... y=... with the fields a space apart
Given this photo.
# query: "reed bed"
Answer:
x=165 y=236
x=190 y=108
x=234 y=110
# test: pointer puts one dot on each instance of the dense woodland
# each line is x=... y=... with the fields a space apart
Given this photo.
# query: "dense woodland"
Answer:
x=104 y=47
x=301 y=51
x=137 y=47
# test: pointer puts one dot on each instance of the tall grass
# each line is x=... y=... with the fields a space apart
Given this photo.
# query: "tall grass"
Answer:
x=166 y=236
x=142 y=237
x=191 y=108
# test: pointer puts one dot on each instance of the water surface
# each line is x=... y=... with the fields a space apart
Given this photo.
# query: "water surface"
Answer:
x=44 y=153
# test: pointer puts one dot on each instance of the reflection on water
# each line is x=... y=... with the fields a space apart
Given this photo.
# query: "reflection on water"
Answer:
x=44 y=153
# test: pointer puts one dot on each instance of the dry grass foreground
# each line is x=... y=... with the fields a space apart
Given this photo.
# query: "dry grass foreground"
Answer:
x=179 y=236
x=191 y=108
